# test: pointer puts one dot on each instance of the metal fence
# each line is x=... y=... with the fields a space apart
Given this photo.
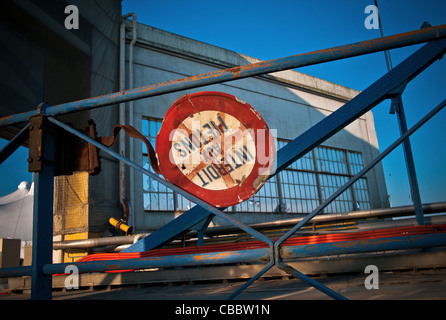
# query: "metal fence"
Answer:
x=42 y=123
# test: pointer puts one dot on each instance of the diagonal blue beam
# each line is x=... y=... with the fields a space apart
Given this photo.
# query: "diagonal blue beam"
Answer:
x=363 y=102
x=14 y=143
x=409 y=159
x=171 y=231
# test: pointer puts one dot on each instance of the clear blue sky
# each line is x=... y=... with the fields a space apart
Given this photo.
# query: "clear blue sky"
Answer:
x=279 y=28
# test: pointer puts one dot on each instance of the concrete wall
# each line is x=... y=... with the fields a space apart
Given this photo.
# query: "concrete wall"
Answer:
x=41 y=60
x=289 y=101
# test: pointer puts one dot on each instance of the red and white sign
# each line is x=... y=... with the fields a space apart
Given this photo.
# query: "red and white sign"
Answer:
x=216 y=147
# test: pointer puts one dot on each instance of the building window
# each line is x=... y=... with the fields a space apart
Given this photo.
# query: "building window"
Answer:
x=307 y=182
x=300 y=188
x=156 y=196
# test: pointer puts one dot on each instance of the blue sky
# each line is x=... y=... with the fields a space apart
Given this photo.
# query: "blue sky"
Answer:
x=280 y=28
x=273 y=29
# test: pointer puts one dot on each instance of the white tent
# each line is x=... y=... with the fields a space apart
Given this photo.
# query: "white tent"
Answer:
x=16 y=213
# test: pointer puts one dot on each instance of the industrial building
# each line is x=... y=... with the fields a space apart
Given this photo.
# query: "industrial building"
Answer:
x=84 y=204
x=44 y=61
x=160 y=56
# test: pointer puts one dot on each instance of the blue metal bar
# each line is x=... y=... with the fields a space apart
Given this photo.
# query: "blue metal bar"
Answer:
x=353 y=246
x=172 y=261
x=165 y=261
x=362 y=246
x=397 y=103
x=256 y=69
x=252 y=255
x=14 y=144
x=316 y=284
x=12 y=272
x=211 y=258
x=42 y=249
x=171 y=230
x=203 y=227
x=252 y=280
x=410 y=163
x=41 y=284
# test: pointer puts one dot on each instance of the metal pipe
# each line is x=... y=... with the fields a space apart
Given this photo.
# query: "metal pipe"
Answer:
x=210 y=258
x=126 y=206
x=407 y=148
x=311 y=282
x=262 y=254
x=122 y=191
x=388 y=224
x=120 y=225
x=353 y=246
x=131 y=142
x=409 y=160
x=255 y=69
x=96 y=242
x=124 y=241
x=363 y=226
x=436 y=207
x=429 y=240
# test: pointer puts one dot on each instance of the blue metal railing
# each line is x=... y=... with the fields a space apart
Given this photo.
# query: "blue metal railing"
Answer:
x=382 y=89
x=251 y=70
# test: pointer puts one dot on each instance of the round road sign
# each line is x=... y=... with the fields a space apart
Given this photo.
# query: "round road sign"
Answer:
x=216 y=147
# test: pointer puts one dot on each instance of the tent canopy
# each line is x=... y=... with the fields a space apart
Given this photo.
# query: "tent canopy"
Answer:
x=16 y=213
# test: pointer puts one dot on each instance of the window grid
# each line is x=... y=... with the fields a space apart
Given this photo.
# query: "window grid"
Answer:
x=310 y=180
x=156 y=196
x=300 y=188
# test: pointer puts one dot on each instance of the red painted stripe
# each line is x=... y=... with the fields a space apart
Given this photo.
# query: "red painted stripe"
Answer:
x=295 y=241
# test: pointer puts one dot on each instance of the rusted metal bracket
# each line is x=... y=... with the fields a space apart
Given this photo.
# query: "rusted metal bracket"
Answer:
x=71 y=153
x=35 y=144
x=87 y=154
x=74 y=154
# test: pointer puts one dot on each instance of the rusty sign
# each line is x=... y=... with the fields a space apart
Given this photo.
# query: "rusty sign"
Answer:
x=216 y=147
